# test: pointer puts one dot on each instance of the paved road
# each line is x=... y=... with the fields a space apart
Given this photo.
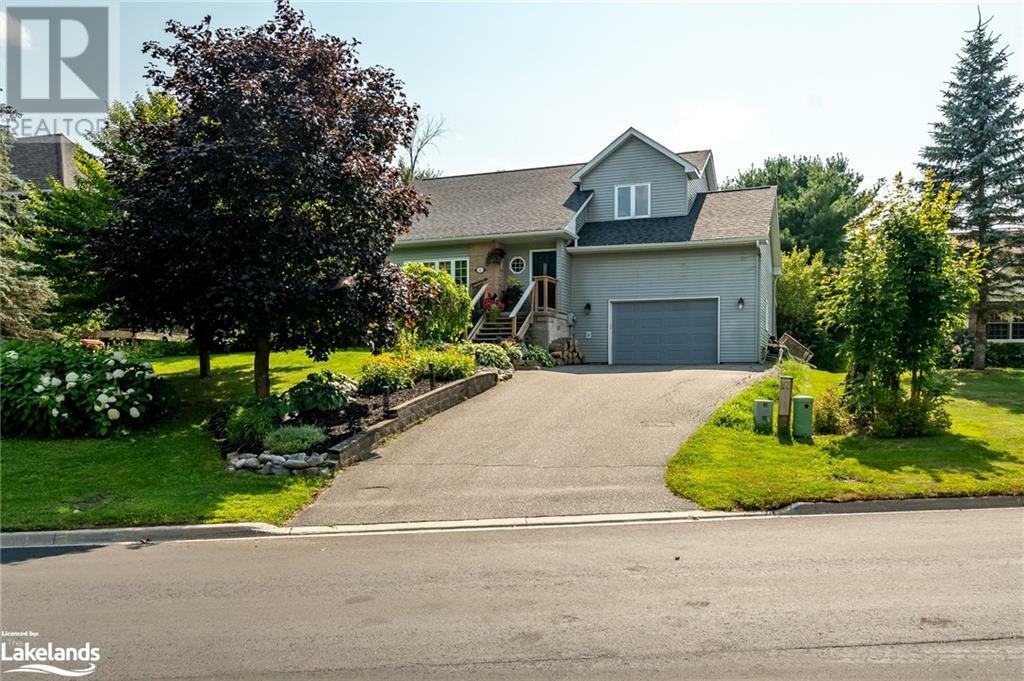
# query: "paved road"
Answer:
x=578 y=440
x=927 y=595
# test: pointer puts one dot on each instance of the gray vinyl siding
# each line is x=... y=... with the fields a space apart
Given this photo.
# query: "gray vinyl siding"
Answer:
x=697 y=185
x=636 y=163
x=766 y=307
x=564 y=263
x=729 y=274
x=404 y=255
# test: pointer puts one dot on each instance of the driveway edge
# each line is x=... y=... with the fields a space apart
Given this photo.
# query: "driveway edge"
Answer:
x=171 y=533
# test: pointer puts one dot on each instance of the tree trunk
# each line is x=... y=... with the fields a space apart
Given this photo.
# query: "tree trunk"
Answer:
x=261 y=366
x=204 y=359
x=980 y=336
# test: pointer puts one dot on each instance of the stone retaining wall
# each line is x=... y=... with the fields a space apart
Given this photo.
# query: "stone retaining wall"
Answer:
x=360 y=446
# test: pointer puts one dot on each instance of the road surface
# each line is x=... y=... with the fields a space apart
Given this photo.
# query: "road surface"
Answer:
x=927 y=595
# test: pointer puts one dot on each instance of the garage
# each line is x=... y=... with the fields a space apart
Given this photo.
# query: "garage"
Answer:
x=664 y=331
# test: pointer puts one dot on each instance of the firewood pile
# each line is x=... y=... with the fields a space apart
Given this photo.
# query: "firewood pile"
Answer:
x=566 y=351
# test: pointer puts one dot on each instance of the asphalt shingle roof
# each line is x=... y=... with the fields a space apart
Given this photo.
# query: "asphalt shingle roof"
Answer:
x=505 y=202
x=35 y=159
x=729 y=214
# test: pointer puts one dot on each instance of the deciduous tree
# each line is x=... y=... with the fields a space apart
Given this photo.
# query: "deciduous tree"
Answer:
x=272 y=197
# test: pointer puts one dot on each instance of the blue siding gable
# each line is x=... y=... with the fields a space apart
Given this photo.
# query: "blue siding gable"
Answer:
x=636 y=162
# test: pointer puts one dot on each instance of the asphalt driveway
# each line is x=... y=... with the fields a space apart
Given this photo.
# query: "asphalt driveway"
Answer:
x=576 y=440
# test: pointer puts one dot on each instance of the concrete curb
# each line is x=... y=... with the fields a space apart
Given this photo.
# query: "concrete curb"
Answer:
x=170 y=533
x=891 y=505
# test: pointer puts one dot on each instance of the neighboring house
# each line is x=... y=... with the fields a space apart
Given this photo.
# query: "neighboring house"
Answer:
x=1006 y=317
x=637 y=254
x=36 y=159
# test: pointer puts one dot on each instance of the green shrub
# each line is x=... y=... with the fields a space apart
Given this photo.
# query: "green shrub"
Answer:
x=382 y=371
x=326 y=391
x=252 y=422
x=444 y=309
x=217 y=421
x=292 y=439
x=513 y=351
x=907 y=417
x=831 y=417
x=1006 y=355
x=449 y=365
x=490 y=355
x=64 y=390
x=155 y=349
x=536 y=355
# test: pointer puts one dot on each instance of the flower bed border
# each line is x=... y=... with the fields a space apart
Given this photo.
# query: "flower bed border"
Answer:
x=360 y=446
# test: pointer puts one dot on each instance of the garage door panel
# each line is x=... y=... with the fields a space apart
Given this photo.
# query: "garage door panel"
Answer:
x=665 y=332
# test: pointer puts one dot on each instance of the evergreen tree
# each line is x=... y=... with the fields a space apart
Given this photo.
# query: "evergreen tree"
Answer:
x=978 y=148
x=817 y=198
x=24 y=294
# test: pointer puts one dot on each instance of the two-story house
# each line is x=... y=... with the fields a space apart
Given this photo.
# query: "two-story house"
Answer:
x=636 y=253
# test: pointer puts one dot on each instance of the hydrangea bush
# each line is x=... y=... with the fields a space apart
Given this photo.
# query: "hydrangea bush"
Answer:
x=58 y=390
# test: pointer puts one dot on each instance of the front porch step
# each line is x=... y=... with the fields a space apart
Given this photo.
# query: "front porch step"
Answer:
x=491 y=332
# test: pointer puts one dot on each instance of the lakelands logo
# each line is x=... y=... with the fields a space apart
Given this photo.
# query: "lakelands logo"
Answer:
x=40 y=659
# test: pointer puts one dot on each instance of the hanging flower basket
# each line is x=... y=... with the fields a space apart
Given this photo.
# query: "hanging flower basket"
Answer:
x=495 y=256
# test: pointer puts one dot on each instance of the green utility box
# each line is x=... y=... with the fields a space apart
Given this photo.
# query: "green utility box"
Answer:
x=764 y=410
x=803 y=416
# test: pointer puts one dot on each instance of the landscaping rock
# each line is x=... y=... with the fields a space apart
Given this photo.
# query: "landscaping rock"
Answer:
x=295 y=464
x=279 y=470
x=315 y=460
x=265 y=457
x=326 y=472
x=301 y=456
x=250 y=464
x=267 y=468
x=277 y=460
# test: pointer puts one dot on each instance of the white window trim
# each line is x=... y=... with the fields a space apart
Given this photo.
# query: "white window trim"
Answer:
x=632 y=201
x=520 y=258
x=436 y=264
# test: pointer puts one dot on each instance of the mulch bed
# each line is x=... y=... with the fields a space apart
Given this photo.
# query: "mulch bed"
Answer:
x=361 y=413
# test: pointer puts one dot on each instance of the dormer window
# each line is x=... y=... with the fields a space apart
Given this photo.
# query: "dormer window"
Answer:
x=632 y=201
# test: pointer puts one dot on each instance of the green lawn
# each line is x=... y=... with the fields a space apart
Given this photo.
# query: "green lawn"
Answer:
x=170 y=473
x=723 y=467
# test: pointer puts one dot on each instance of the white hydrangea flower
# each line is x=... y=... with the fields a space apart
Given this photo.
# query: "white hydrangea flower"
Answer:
x=148 y=365
x=55 y=381
x=150 y=374
x=55 y=412
x=45 y=380
x=134 y=412
x=109 y=375
x=64 y=415
x=118 y=373
x=39 y=388
x=97 y=407
x=111 y=362
x=71 y=385
x=118 y=355
x=58 y=399
x=72 y=377
x=11 y=355
x=149 y=397
x=102 y=397
x=86 y=377
x=113 y=414
x=129 y=391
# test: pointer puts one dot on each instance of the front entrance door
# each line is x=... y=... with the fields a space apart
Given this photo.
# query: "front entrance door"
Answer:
x=543 y=263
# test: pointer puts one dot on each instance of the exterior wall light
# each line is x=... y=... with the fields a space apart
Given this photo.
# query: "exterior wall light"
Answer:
x=739 y=305
x=586 y=308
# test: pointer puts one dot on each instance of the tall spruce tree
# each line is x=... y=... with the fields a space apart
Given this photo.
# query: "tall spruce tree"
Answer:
x=979 y=148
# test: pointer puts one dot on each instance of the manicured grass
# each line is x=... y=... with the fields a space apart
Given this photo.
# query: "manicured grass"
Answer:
x=171 y=473
x=725 y=465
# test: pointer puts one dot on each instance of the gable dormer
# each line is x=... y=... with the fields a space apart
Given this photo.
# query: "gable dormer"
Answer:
x=635 y=177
